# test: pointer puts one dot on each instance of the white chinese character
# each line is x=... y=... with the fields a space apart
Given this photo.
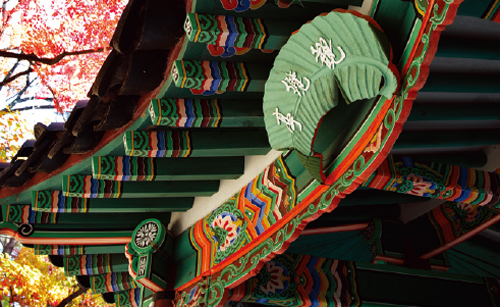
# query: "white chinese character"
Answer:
x=288 y=120
x=324 y=53
x=292 y=82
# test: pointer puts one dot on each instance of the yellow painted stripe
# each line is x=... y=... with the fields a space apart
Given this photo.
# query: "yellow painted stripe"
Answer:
x=188 y=140
x=199 y=27
x=263 y=31
x=492 y=10
x=219 y=115
x=184 y=76
x=245 y=76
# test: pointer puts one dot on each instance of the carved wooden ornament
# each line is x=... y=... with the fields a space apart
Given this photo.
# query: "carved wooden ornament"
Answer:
x=340 y=57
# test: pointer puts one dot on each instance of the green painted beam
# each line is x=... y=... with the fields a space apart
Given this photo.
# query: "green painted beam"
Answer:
x=163 y=169
x=95 y=264
x=467 y=47
x=24 y=214
x=206 y=113
x=109 y=282
x=451 y=138
x=455 y=111
x=67 y=250
x=462 y=83
x=472 y=159
x=87 y=187
x=55 y=201
x=195 y=143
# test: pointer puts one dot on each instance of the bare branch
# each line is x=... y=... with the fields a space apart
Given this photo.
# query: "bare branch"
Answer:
x=48 y=61
x=14 y=77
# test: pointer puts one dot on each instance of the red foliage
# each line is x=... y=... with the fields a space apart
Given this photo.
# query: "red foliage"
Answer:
x=50 y=28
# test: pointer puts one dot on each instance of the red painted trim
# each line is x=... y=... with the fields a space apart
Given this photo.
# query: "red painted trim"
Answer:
x=334 y=229
x=109 y=136
x=461 y=239
x=400 y=261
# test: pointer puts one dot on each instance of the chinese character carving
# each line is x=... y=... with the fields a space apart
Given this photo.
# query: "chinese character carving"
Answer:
x=293 y=83
x=324 y=53
x=288 y=120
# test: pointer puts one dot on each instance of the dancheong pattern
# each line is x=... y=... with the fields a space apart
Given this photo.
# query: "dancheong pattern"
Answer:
x=87 y=265
x=87 y=187
x=131 y=298
x=244 y=216
x=243 y=5
x=186 y=113
x=24 y=214
x=452 y=220
x=124 y=168
x=300 y=280
x=111 y=282
x=228 y=31
x=437 y=180
x=353 y=166
x=55 y=201
x=62 y=250
x=157 y=143
x=210 y=77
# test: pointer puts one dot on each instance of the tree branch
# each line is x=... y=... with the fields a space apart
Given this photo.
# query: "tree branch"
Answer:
x=48 y=61
x=14 y=77
x=72 y=296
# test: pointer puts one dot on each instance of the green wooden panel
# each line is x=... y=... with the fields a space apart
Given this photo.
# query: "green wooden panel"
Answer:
x=349 y=245
x=109 y=218
x=455 y=111
x=477 y=256
x=476 y=8
x=206 y=113
x=55 y=201
x=447 y=138
x=87 y=187
x=467 y=47
x=196 y=143
x=411 y=287
x=67 y=250
x=163 y=169
x=462 y=83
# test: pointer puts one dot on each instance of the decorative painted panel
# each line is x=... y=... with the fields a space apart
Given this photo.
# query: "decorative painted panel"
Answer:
x=436 y=180
x=87 y=187
x=245 y=216
x=226 y=31
x=123 y=168
x=69 y=250
x=111 y=282
x=149 y=253
x=453 y=220
x=213 y=77
x=88 y=265
x=157 y=143
x=357 y=158
x=131 y=298
x=206 y=113
x=187 y=113
x=55 y=201
x=298 y=280
x=24 y=214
